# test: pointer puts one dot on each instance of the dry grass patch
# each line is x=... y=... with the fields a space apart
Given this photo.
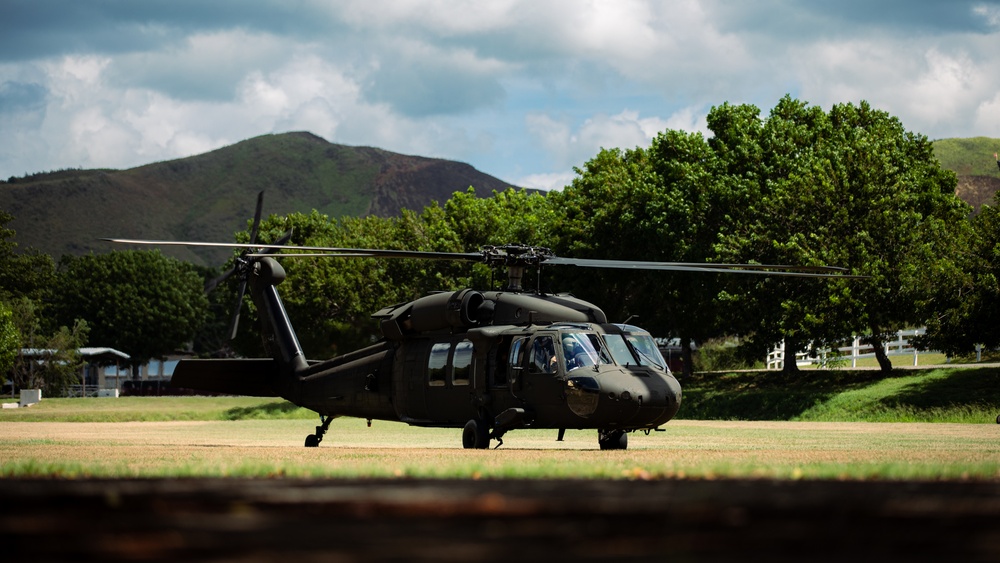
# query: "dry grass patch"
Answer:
x=698 y=449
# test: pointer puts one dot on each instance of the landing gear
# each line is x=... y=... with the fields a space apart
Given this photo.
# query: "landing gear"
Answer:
x=476 y=435
x=313 y=440
x=612 y=439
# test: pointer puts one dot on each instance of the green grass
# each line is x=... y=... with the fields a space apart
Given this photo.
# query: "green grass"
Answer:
x=149 y=409
x=935 y=395
x=963 y=395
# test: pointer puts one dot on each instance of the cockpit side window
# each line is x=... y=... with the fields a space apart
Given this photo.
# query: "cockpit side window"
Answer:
x=543 y=355
x=581 y=349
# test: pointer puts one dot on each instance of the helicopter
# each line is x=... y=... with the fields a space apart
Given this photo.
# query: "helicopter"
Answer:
x=485 y=361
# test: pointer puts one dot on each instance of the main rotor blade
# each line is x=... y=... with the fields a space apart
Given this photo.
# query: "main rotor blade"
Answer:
x=504 y=258
x=332 y=251
x=309 y=255
x=759 y=269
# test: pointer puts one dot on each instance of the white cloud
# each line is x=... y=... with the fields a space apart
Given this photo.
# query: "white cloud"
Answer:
x=547 y=182
x=519 y=89
x=987 y=114
x=567 y=145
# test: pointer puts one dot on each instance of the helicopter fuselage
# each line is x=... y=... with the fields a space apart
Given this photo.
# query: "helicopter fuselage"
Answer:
x=495 y=360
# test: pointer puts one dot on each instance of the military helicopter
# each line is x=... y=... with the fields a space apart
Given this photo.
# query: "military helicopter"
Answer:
x=487 y=362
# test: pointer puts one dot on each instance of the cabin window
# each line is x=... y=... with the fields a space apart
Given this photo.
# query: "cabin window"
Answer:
x=462 y=363
x=437 y=363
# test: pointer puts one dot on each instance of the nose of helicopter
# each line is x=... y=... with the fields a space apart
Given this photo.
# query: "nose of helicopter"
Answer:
x=623 y=398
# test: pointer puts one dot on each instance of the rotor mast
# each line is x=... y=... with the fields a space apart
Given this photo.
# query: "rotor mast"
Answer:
x=516 y=257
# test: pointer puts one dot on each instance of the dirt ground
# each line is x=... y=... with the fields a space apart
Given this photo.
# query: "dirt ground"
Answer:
x=486 y=520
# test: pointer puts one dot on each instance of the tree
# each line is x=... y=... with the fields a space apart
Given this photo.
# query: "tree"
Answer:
x=29 y=274
x=140 y=302
x=330 y=300
x=783 y=213
x=968 y=315
x=10 y=341
x=850 y=188
x=656 y=204
x=48 y=361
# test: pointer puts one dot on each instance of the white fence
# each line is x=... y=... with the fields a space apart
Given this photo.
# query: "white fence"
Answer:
x=901 y=346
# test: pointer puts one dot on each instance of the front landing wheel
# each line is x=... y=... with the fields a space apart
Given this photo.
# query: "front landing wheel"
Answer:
x=612 y=439
x=476 y=435
x=312 y=441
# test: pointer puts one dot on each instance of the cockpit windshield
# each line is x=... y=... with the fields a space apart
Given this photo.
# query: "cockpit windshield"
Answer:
x=645 y=347
x=581 y=349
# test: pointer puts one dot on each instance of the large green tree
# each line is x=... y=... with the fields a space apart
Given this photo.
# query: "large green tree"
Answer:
x=850 y=188
x=140 y=302
x=25 y=273
x=968 y=315
x=664 y=203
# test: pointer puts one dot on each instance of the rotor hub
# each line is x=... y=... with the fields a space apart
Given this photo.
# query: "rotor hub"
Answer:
x=516 y=257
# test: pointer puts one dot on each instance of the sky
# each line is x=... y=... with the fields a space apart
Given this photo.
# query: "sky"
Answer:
x=523 y=90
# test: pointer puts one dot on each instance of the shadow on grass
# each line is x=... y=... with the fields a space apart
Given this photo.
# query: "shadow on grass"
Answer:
x=960 y=387
x=768 y=395
x=275 y=409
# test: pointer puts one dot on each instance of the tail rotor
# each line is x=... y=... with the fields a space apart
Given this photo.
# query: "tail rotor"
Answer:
x=243 y=266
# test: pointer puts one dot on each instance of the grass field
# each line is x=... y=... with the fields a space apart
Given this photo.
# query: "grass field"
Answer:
x=691 y=449
x=818 y=425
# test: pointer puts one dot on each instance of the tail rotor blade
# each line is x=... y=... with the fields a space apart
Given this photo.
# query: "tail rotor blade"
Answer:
x=234 y=324
x=284 y=238
x=256 y=218
x=214 y=282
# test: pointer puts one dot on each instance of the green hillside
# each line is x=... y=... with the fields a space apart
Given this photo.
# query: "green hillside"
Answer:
x=973 y=161
x=969 y=157
x=210 y=196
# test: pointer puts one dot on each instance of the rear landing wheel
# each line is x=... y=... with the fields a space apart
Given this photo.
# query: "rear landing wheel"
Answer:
x=313 y=440
x=612 y=439
x=476 y=435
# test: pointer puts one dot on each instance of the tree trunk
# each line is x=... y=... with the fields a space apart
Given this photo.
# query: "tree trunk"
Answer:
x=790 y=366
x=883 y=360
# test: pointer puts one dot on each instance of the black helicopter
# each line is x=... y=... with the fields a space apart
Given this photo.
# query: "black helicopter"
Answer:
x=484 y=361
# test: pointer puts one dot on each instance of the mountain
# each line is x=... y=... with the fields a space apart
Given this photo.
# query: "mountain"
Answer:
x=974 y=162
x=210 y=196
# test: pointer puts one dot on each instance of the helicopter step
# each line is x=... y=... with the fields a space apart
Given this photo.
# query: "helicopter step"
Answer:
x=477 y=433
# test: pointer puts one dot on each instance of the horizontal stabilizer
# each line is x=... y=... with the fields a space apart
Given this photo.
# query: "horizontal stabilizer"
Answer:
x=250 y=377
